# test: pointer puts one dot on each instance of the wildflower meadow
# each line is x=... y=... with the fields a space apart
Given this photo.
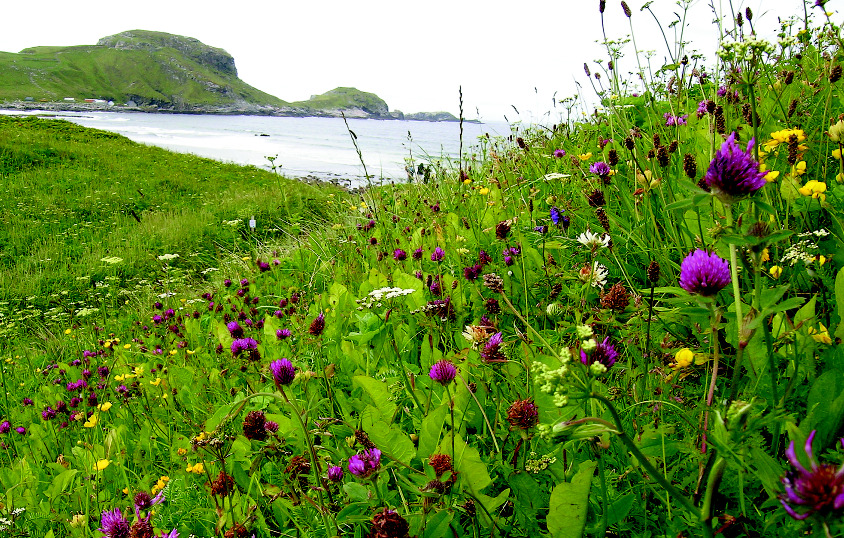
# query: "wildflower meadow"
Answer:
x=624 y=324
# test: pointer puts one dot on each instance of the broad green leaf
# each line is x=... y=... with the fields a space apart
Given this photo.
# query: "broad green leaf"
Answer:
x=491 y=504
x=767 y=470
x=468 y=463
x=826 y=406
x=60 y=483
x=393 y=441
x=356 y=492
x=429 y=434
x=620 y=508
x=438 y=525
x=807 y=312
x=380 y=394
x=569 y=503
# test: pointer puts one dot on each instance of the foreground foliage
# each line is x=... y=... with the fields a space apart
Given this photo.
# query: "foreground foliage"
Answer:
x=623 y=326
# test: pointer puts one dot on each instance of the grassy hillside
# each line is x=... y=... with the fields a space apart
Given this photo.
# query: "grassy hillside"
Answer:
x=71 y=197
x=346 y=98
x=148 y=68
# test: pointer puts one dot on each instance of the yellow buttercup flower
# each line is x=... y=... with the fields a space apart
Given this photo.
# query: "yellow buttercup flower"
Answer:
x=585 y=156
x=815 y=189
x=197 y=468
x=67 y=331
x=156 y=382
x=173 y=351
x=139 y=370
x=105 y=406
x=684 y=358
x=102 y=464
x=775 y=271
x=91 y=422
x=467 y=181
x=484 y=191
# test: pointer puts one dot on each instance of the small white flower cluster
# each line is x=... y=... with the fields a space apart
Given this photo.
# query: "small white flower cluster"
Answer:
x=800 y=251
x=536 y=465
x=381 y=294
x=553 y=380
x=165 y=257
x=817 y=233
x=232 y=223
x=788 y=41
x=745 y=50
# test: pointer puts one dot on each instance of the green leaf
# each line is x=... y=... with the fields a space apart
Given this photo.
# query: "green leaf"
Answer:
x=767 y=470
x=380 y=394
x=60 y=483
x=807 y=312
x=429 y=434
x=620 y=508
x=839 y=299
x=491 y=504
x=438 y=525
x=469 y=464
x=356 y=492
x=826 y=407
x=569 y=503
x=393 y=441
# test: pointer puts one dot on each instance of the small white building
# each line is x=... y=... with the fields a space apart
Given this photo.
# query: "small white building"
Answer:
x=69 y=99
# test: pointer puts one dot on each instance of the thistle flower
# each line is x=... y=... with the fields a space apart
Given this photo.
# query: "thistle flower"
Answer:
x=443 y=372
x=733 y=173
x=113 y=525
x=604 y=353
x=819 y=489
x=366 y=463
x=283 y=372
x=704 y=274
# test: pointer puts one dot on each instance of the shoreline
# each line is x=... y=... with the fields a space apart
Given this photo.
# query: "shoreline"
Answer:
x=209 y=110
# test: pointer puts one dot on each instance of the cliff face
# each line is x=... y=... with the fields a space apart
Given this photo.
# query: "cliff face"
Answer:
x=211 y=57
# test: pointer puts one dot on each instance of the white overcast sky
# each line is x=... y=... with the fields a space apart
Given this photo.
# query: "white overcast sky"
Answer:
x=414 y=55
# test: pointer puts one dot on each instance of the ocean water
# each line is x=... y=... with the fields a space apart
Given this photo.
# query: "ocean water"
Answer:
x=306 y=147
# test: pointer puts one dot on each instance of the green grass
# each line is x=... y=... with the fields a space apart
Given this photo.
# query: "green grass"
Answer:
x=71 y=196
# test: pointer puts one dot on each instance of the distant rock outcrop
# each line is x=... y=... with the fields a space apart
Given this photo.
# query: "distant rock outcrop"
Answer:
x=191 y=47
x=431 y=116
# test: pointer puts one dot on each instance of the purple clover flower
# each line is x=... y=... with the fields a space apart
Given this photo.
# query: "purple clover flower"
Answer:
x=243 y=344
x=701 y=109
x=437 y=255
x=335 y=473
x=600 y=168
x=317 y=325
x=399 y=255
x=5 y=426
x=21 y=430
x=559 y=153
x=366 y=463
x=282 y=334
x=818 y=490
x=492 y=349
x=283 y=372
x=676 y=121
x=417 y=254
x=603 y=353
x=443 y=372
x=734 y=173
x=704 y=274
x=235 y=329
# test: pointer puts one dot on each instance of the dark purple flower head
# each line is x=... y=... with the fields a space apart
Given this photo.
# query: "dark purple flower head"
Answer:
x=437 y=255
x=603 y=353
x=443 y=372
x=227 y=282
x=473 y=272
x=556 y=215
x=733 y=173
x=335 y=473
x=600 y=168
x=113 y=524
x=417 y=254
x=244 y=283
x=28 y=402
x=235 y=329
x=701 y=109
x=243 y=344
x=317 y=325
x=21 y=430
x=282 y=334
x=492 y=349
x=559 y=153
x=817 y=490
x=283 y=372
x=484 y=258
x=48 y=414
x=271 y=426
x=399 y=255
x=366 y=463
x=5 y=426
x=540 y=229
x=704 y=274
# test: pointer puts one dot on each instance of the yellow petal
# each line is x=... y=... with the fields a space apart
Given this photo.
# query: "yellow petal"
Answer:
x=105 y=406
x=102 y=464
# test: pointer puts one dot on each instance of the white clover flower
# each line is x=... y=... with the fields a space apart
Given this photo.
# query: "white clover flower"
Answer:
x=596 y=275
x=584 y=331
x=592 y=240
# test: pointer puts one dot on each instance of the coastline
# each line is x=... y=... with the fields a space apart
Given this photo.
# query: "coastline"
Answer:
x=241 y=109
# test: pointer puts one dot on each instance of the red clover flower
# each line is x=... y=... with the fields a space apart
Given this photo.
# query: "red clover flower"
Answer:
x=283 y=372
x=704 y=274
x=443 y=372
x=733 y=173
x=366 y=463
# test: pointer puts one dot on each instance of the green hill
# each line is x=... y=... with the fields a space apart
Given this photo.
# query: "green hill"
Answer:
x=149 y=68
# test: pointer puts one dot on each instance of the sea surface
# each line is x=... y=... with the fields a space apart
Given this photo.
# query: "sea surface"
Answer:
x=319 y=148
